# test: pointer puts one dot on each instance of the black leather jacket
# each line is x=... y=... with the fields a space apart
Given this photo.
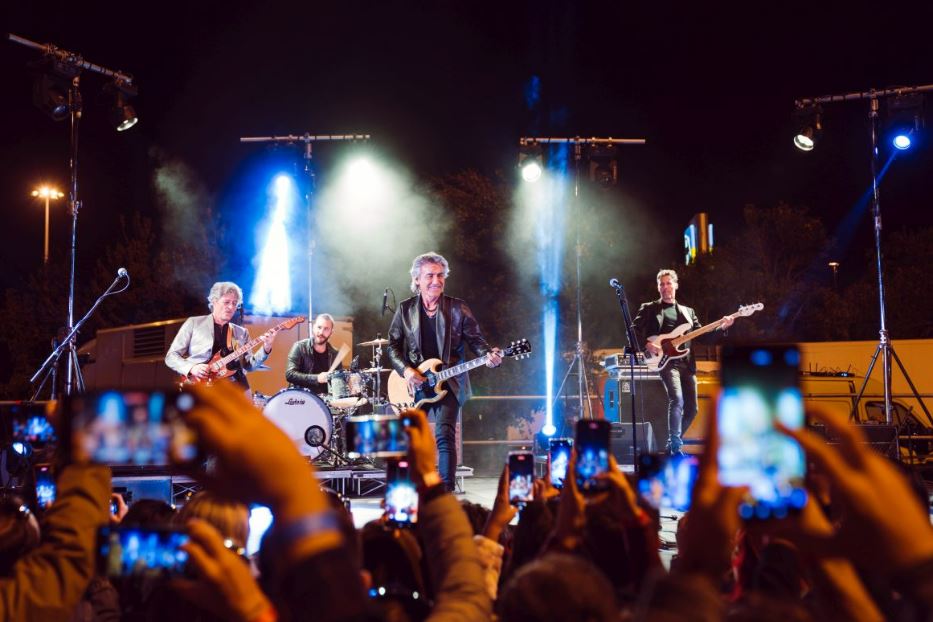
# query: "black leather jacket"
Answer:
x=456 y=327
x=301 y=360
x=648 y=320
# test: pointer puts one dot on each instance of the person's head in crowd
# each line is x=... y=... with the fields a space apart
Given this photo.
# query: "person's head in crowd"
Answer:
x=345 y=522
x=230 y=518
x=149 y=513
x=19 y=532
x=557 y=587
x=392 y=557
x=533 y=529
x=476 y=514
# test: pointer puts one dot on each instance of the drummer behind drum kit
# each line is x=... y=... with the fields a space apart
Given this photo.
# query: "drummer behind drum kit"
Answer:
x=315 y=423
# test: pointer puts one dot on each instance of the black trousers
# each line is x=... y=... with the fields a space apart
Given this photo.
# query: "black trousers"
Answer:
x=681 y=386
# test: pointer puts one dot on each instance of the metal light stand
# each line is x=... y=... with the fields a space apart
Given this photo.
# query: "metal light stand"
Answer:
x=308 y=139
x=73 y=377
x=884 y=347
x=577 y=360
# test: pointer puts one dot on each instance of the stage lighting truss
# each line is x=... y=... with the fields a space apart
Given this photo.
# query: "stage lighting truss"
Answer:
x=530 y=160
x=904 y=119
x=809 y=127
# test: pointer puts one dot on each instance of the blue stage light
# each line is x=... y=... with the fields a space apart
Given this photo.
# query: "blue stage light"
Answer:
x=901 y=141
x=272 y=292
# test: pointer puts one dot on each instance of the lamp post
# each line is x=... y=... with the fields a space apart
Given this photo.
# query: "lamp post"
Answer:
x=47 y=193
x=834 y=266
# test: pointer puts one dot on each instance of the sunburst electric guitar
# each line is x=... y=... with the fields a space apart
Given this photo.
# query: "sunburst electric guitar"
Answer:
x=433 y=388
x=670 y=342
x=217 y=366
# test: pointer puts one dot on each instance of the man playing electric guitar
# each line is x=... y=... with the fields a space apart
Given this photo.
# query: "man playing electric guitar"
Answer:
x=660 y=317
x=203 y=336
x=431 y=325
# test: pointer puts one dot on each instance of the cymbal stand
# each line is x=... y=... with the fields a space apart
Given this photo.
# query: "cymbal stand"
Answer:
x=376 y=363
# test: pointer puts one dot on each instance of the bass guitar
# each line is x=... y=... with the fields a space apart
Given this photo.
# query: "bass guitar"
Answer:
x=433 y=389
x=670 y=343
x=217 y=366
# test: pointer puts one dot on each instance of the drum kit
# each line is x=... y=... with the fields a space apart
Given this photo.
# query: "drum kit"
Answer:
x=315 y=423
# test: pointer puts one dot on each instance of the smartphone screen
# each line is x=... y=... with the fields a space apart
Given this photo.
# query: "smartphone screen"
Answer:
x=401 y=494
x=559 y=454
x=521 y=477
x=141 y=552
x=30 y=423
x=592 y=445
x=45 y=486
x=759 y=387
x=666 y=482
x=137 y=428
x=377 y=436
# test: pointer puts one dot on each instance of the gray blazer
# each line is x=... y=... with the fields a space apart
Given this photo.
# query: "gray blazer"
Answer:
x=195 y=338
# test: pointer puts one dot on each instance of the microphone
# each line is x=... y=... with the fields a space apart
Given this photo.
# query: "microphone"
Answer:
x=385 y=301
x=121 y=272
x=615 y=283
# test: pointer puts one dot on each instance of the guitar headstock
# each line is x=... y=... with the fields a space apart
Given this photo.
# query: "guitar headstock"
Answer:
x=746 y=310
x=518 y=349
x=286 y=325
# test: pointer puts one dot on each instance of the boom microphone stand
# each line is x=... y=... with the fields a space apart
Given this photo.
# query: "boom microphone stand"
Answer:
x=633 y=350
x=73 y=60
x=884 y=347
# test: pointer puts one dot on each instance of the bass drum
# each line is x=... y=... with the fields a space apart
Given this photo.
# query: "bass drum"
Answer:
x=304 y=417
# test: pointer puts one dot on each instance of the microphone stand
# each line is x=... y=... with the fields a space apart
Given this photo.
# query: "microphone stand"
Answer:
x=51 y=362
x=633 y=350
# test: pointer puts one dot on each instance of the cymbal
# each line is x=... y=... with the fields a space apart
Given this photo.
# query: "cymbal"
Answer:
x=375 y=370
x=375 y=342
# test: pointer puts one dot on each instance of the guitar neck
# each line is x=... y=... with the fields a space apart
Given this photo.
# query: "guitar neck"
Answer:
x=456 y=370
x=246 y=347
x=701 y=331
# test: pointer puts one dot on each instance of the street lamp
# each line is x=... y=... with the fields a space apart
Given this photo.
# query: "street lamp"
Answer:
x=47 y=193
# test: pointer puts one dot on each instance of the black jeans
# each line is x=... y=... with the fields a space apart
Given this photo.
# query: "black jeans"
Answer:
x=681 y=386
x=445 y=413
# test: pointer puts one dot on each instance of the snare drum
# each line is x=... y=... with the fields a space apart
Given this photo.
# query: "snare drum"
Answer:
x=346 y=389
x=304 y=417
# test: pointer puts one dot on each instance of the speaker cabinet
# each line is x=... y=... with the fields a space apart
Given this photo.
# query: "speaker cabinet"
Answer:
x=620 y=441
x=650 y=404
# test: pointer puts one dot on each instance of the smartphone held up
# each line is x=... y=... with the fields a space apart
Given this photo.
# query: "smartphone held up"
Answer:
x=521 y=478
x=759 y=388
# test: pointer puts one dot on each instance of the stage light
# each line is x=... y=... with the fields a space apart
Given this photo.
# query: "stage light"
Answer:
x=272 y=292
x=122 y=115
x=904 y=119
x=901 y=141
x=604 y=165
x=531 y=161
x=809 y=127
x=51 y=82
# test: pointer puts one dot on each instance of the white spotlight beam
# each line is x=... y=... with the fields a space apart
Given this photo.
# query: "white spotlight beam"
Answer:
x=308 y=139
x=578 y=143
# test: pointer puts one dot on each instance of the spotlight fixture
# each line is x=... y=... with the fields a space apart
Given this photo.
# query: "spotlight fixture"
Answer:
x=531 y=161
x=604 y=165
x=904 y=118
x=809 y=127
x=122 y=115
x=51 y=82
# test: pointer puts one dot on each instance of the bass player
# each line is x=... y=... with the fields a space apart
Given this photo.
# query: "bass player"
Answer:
x=203 y=336
x=431 y=325
x=679 y=376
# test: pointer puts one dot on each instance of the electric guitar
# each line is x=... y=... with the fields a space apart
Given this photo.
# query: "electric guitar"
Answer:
x=433 y=388
x=670 y=342
x=217 y=366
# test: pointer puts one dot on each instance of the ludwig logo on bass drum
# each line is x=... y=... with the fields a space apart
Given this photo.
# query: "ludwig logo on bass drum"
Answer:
x=293 y=401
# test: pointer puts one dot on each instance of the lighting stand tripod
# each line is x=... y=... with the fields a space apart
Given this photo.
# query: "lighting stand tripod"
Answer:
x=884 y=347
x=308 y=139
x=583 y=392
x=76 y=64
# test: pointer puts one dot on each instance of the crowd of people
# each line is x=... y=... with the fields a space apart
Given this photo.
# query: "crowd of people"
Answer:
x=862 y=548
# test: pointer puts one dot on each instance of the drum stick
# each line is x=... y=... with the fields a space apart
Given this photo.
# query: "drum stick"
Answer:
x=341 y=354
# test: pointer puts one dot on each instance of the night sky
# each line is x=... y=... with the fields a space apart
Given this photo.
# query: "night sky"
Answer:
x=441 y=86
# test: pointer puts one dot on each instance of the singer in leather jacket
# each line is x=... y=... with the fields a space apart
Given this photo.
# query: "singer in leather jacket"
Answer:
x=433 y=325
